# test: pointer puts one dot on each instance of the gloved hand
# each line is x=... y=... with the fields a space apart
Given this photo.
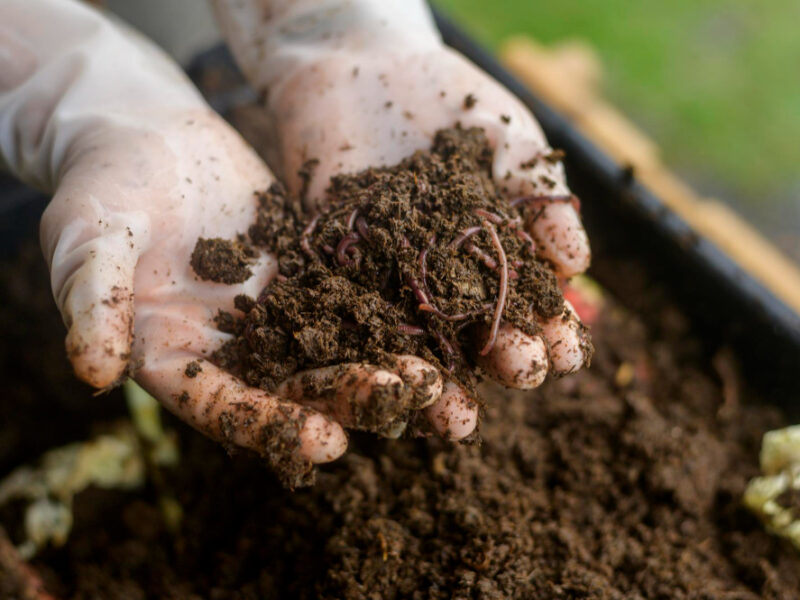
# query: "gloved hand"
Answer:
x=142 y=168
x=360 y=83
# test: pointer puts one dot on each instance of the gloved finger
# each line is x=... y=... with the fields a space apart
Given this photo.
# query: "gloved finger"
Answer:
x=224 y=408
x=172 y=340
x=92 y=263
x=423 y=378
x=568 y=341
x=560 y=237
x=455 y=414
x=516 y=360
x=362 y=396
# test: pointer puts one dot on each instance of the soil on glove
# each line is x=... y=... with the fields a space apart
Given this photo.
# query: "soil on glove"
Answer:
x=423 y=258
x=595 y=486
x=222 y=261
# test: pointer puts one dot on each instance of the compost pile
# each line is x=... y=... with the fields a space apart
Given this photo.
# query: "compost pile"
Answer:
x=407 y=259
x=622 y=481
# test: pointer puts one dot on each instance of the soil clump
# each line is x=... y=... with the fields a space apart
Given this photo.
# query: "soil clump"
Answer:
x=406 y=259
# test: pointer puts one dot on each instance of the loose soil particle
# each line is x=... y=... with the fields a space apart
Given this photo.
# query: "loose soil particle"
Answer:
x=192 y=369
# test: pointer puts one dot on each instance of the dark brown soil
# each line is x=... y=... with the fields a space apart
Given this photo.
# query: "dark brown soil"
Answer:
x=582 y=489
x=408 y=259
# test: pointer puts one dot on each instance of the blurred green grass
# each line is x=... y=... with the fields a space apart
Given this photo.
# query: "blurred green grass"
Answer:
x=715 y=82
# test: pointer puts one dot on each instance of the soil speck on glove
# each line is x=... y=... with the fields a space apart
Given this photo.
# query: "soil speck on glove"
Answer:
x=192 y=369
x=279 y=445
x=222 y=261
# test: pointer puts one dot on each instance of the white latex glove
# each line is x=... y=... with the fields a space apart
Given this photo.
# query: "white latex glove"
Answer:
x=360 y=83
x=142 y=168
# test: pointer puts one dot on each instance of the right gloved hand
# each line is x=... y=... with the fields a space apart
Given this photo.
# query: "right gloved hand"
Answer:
x=365 y=83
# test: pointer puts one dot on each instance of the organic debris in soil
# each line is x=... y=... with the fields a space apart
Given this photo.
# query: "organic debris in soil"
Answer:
x=406 y=259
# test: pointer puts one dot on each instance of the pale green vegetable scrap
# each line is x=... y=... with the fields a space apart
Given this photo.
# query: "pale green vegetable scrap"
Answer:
x=780 y=449
x=117 y=459
x=112 y=460
x=145 y=413
x=780 y=463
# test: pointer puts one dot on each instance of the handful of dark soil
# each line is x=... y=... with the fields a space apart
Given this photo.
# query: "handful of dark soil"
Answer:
x=408 y=259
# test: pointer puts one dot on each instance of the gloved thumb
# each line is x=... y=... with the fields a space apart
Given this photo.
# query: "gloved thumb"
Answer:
x=93 y=249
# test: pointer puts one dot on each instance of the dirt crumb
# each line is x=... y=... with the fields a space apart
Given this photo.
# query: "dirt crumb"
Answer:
x=222 y=261
x=192 y=369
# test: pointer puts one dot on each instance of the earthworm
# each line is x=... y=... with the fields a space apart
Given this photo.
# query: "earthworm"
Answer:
x=362 y=227
x=429 y=306
x=487 y=260
x=418 y=293
x=408 y=329
x=304 y=244
x=423 y=264
x=355 y=252
x=412 y=282
x=341 y=249
x=478 y=253
x=447 y=348
x=464 y=236
x=514 y=224
x=501 y=296
x=489 y=216
x=352 y=219
x=526 y=238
